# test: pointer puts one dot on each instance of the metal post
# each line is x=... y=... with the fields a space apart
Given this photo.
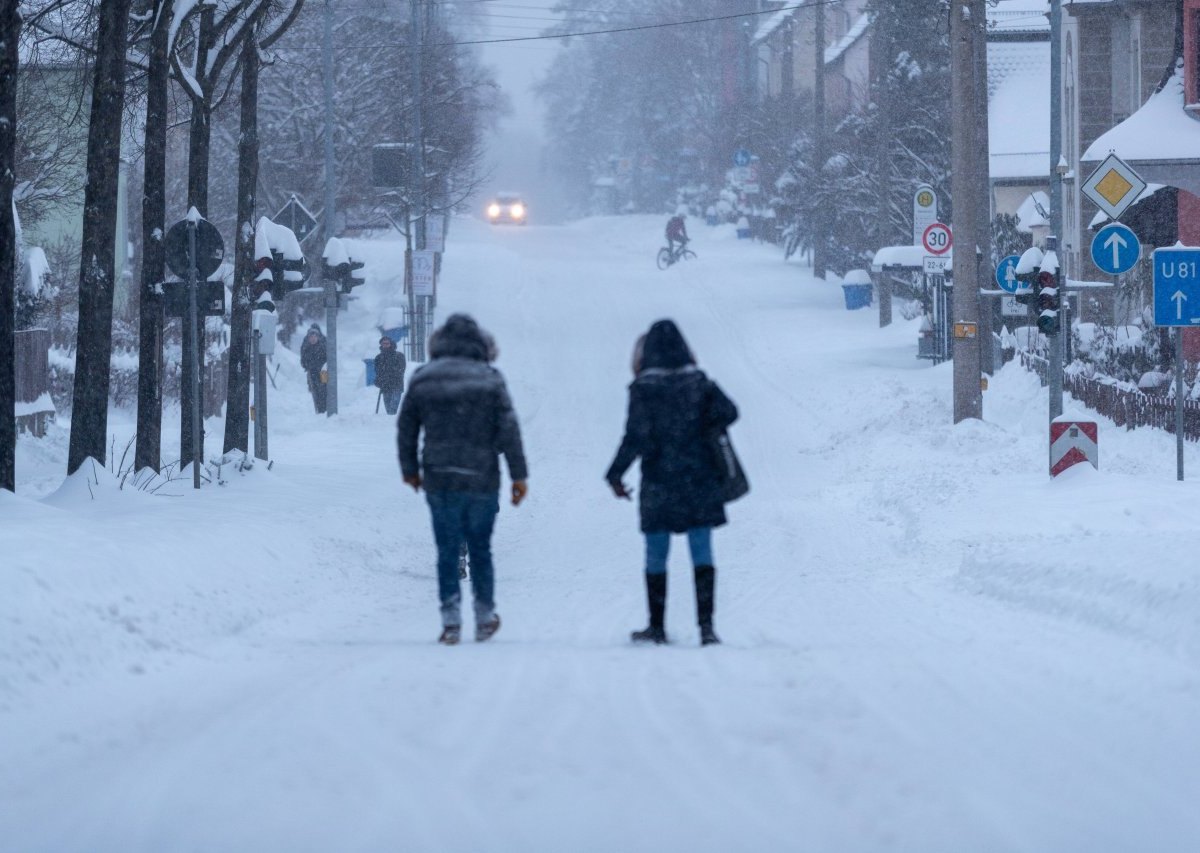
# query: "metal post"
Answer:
x=1056 y=196
x=417 y=327
x=1179 y=402
x=331 y=295
x=193 y=331
x=259 y=380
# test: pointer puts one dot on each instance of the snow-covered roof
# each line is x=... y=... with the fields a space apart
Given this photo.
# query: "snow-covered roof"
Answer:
x=1019 y=109
x=1034 y=212
x=1159 y=130
x=1019 y=16
x=771 y=23
x=834 y=52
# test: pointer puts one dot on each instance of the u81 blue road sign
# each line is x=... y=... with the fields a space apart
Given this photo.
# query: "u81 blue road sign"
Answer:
x=1116 y=249
x=1006 y=274
x=1177 y=286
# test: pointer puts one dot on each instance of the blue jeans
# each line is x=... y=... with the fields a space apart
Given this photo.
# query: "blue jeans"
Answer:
x=658 y=545
x=464 y=517
x=391 y=401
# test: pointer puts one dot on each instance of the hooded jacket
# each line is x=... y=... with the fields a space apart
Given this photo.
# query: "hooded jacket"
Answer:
x=674 y=410
x=462 y=404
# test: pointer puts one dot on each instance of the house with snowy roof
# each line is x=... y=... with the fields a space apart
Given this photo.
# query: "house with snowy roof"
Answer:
x=784 y=46
x=1130 y=81
x=1018 y=67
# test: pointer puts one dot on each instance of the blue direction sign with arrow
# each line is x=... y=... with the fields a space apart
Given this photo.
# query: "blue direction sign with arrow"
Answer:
x=1116 y=249
x=1177 y=286
x=1006 y=274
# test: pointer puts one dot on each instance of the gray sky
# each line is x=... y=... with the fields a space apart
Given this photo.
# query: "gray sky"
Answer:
x=515 y=151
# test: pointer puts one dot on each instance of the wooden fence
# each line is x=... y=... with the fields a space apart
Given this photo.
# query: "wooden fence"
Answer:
x=1127 y=407
x=32 y=367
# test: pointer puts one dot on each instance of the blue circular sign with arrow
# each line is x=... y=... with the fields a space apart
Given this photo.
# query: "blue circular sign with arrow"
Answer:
x=1006 y=274
x=1116 y=249
x=741 y=157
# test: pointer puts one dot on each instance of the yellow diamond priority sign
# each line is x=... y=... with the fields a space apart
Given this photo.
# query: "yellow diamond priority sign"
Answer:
x=1113 y=186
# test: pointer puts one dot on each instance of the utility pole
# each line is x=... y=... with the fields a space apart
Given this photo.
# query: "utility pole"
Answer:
x=417 y=329
x=331 y=292
x=989 y=309
x=1056 y=198
x=820 y=221
x=966 y=25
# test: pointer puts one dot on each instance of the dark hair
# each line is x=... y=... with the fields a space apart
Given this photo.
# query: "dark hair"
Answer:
x=665 y=347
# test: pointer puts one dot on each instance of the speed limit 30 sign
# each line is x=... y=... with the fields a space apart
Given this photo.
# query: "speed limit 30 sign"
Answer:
x=937 y=239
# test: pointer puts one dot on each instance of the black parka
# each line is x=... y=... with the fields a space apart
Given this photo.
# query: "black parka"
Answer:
x=673 y=413
x=389 y=370
x=462 y=404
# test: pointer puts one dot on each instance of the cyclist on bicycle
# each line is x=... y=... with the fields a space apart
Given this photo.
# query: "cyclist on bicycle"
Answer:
x=677 y=231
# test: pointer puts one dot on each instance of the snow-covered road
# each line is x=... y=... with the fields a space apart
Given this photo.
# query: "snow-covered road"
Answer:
x=928 y=645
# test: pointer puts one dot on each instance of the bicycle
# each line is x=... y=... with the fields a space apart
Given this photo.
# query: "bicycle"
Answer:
x=666 y=257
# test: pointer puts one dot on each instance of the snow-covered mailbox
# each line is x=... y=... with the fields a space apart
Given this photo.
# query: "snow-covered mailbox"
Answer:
x=856 y=289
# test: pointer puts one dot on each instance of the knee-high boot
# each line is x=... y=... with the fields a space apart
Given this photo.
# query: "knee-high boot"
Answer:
x=706 y=591
x=656 y=599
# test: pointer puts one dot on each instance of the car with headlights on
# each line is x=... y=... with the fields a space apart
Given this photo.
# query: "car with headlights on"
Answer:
x=507 y=208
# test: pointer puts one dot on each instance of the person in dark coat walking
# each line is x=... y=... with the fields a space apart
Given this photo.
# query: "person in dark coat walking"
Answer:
x=389 y=374
x=313 y=355
x=462 y=404
x=674 y=410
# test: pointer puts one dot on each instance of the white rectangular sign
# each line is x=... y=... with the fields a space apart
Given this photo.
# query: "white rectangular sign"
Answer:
x=925 y=210
x=435 y=233
x=422 y=273
x=1010 y=307
x=935 y=265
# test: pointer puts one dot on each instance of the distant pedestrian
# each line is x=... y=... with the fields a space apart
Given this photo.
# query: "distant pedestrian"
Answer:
x=462 y=404
x=674 y=412
x=389 y=374
x=313 y=355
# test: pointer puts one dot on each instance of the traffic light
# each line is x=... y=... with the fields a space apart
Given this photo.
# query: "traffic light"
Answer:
x=343 y=274
x=1047 y=302
x=1026 y=272
x=285 y=275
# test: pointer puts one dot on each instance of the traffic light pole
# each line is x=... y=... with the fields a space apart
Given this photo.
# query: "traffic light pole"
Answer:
x=1056 y=198
x=331 y=294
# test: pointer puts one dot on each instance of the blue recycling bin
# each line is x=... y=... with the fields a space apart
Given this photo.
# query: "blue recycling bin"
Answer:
x=370 y=364
x=857 y=296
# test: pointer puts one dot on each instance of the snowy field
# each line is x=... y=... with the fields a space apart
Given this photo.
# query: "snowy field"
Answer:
x=929 y=645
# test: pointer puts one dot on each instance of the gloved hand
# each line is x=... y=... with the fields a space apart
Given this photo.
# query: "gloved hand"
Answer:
x=620 y=491
x=519 y=490
x=414 y=481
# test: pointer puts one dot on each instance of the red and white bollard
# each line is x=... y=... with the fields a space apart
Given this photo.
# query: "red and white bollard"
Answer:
x=1073 y=441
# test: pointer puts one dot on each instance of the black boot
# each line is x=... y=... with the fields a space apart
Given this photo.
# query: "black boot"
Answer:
x=656 y=597
x=706 y=590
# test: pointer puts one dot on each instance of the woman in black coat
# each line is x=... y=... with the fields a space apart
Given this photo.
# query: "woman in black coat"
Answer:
x=674 y=412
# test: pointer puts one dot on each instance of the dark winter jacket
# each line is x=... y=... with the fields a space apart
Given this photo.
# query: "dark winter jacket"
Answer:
x=389 y=371
x=463 y=405
x=313 y=355
x=674 y=410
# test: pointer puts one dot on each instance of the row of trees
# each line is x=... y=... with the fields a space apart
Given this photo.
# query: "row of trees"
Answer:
x=179 y=85
x=672 y=103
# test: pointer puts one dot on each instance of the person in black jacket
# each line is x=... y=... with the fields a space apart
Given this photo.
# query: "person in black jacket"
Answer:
x=674 y=411
x=313 y=355
x=389 y=374
x=462 y=404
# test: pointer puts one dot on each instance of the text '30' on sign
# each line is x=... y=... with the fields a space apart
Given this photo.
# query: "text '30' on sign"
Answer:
x=1177 y=286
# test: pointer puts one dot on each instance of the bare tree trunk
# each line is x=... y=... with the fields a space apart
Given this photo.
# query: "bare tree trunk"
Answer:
x=10 y=25
x=881 y=69
x=237 y=412
x=820 y=155
x=148 y=453
x=89 y=417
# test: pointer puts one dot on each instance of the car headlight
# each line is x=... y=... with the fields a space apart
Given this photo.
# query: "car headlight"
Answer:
x=517 y=211
x=493 y=211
